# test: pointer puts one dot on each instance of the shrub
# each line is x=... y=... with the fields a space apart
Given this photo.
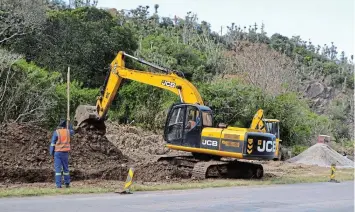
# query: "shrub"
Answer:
x=32 y=94
x=27 y=92
x=78 y=96
x=298 y=149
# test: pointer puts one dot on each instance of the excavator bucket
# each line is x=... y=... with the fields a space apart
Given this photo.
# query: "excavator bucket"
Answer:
x=86 y=117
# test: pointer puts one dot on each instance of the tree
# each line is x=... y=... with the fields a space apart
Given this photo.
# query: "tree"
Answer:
x=26 y=91
x=281 y=43
x=86 y=39
x=156 y=6
x=20 y=17
x=265 y=68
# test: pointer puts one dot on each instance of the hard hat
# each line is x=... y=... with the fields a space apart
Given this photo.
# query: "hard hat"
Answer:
x=62 y=123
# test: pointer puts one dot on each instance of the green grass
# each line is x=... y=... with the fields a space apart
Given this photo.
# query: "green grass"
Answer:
x=28 y=191
x=111 y=186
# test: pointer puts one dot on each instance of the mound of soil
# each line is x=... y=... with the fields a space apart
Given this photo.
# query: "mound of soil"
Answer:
x=158 y=172
x=139 y=145
x=322 y=155
x=25 y=155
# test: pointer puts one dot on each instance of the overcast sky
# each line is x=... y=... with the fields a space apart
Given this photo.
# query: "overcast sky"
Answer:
x=322 y=21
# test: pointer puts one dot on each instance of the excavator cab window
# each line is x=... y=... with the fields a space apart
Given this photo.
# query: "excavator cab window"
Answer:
x=207 y=119
x=184 y=125
x=273 y=128
x=175 y=125
x=193 y=127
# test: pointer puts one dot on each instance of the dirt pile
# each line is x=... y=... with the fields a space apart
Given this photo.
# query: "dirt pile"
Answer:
x=25 y=155
x=322 y=155
x=133 y=141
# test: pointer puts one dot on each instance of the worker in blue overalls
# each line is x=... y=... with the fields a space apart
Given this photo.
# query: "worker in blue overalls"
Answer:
x=59 y=148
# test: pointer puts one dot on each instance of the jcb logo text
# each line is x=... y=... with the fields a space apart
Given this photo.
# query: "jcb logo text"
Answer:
x=168 y=84
x=209 y=142
x=268 y=146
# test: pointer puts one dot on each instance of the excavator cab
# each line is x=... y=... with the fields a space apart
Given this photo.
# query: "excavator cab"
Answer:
x=185 y=122
x=273 y=126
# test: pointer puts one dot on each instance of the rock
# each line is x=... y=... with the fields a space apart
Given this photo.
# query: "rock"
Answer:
x=315 y=89
x=328 y=80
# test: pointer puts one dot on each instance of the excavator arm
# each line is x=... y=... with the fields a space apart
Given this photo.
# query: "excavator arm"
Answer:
x=257 y=122
x=169 y=80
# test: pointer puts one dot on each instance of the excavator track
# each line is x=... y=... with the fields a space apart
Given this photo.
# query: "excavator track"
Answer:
x=213 y=169
x=200 y=170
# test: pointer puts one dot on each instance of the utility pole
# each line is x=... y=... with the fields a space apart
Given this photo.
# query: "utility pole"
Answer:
x=68 y=96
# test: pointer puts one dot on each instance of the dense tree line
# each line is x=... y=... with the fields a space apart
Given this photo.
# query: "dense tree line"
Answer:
x=236 y=73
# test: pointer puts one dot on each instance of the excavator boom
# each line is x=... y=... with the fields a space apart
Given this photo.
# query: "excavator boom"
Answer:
x=169 y=80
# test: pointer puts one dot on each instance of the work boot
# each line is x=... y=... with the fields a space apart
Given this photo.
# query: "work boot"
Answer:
x=67 y=186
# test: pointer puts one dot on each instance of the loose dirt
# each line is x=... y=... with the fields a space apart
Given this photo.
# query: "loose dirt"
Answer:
x=140 y=145
x=322 y=155
x=25 y=156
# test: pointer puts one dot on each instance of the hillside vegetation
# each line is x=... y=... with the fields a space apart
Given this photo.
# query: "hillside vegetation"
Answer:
x=308 y=87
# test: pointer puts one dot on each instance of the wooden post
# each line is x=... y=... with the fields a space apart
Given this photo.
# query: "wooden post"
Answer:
x=68 y=96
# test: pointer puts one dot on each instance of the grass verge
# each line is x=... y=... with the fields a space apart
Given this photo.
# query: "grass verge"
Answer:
x=96 y=186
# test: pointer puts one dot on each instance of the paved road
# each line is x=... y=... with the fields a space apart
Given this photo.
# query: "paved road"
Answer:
x=297 y=197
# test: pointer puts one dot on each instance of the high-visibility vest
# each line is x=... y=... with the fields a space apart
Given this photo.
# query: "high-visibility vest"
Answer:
x=63 y=142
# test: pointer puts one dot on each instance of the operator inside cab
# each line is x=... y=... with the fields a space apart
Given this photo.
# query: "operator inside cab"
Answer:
x=193 y=119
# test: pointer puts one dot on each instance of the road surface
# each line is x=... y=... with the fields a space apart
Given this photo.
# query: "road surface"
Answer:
x=297 y=197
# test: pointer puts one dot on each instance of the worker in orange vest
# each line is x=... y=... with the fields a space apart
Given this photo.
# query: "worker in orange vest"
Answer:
x=59 y=149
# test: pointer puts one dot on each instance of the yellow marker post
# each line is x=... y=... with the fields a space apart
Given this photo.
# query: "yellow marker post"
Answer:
x=128 y=183
x=332 y=174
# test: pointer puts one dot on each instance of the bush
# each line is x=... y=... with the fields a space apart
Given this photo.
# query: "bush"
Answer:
x=298 y=149
x=144 y=104
x=78 y=96
x=32 y=94
x=232 y=102
x=27 y=92
x=298 y=124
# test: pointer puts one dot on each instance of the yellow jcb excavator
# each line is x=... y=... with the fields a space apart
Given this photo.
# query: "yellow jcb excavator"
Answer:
x=189 y=125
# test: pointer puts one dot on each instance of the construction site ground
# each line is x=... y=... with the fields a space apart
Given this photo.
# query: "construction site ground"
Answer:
x=100 y=163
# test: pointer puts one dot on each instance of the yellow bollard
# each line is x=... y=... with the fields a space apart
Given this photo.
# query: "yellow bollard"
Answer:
x=128 y=183
x=332 y=174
